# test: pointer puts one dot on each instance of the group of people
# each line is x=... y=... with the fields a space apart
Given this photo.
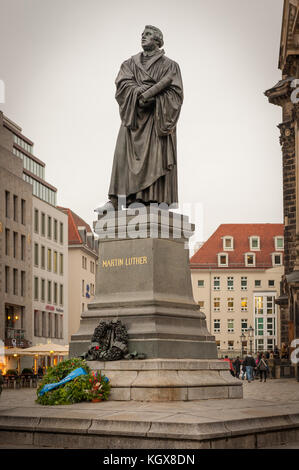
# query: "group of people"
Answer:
x=249 y=368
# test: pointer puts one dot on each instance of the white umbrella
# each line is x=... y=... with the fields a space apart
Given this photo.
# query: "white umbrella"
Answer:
x=48 y=348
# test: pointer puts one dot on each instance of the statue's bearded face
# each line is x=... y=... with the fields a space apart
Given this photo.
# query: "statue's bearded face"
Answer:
x=148 y=40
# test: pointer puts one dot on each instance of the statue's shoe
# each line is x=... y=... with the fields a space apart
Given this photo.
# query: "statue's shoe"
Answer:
x=105 y=208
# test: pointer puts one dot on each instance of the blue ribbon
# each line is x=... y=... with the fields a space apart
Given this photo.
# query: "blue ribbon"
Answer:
x=72 y=375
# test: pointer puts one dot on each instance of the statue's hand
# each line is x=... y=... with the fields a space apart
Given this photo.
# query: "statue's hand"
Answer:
x=145 y=103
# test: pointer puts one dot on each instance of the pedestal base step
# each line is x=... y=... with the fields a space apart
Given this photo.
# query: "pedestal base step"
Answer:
x=169 y=379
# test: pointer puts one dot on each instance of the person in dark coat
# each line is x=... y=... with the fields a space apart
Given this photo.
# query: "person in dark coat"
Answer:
x=237 y=367
x=263 y=368
x=250 y=365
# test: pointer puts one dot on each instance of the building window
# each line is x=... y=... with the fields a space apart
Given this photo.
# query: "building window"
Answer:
x=44 y=329
x=257 y=283
x=55 y=229
x=218 y=345
x=222 y=259
x=36 y=288
x=15 y=208
x=49 y=291
x=7 y=242
x=244 y=325
x=23 y=286
x=61 y=294
x=216 y=285
x=55 y=292
x=56 y=334
x=271 y=283
x=7 y=286
x=259 y=305
x=228 y=243
x=61 y=233
x=254 y=243
x=7 y=204
x=230 y=325
x=259 y=327
x=83 y=291
x=61 y=263
x=217 y=304
x=23 y=247
x=36 y=220
x=15 y=281
x=92 y=271
x=43 y=257
x=201 y=303
x=244 y=304
x=217 y=325
x=49 y=227
x=250 y=259
x=230 y=304
x=279 y=243
x=43 y=290
x=49 y=264
x=15 y=244
x=49 y=325
x=43 y=224
x=230 y=283
x=277 y=259
x=200 y=283
x=55 y=261
x=270 y=305
x=36 y=323
x=35 y=254
x=243 y=283
x=230 y=345
x=23 y=211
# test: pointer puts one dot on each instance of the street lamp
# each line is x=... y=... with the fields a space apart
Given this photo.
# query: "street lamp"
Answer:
x=242 y=338
x=250 y=332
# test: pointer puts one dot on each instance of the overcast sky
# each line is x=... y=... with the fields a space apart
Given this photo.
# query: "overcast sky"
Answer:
x=59 y=60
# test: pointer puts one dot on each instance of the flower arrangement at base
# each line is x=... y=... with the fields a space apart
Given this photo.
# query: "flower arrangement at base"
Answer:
x=71 y=381
x=100 y=387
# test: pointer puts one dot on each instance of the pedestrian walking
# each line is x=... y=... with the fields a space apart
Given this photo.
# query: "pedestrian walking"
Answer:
x=263 y=368
x=243 y=369
x=250 y=365
x=237 y=366
x=231 y=368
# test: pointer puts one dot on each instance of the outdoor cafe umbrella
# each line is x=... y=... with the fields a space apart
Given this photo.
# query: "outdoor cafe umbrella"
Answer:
x=47 y=349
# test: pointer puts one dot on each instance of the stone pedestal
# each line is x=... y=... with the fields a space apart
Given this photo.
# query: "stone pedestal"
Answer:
x=169 y=379
x=144 y=280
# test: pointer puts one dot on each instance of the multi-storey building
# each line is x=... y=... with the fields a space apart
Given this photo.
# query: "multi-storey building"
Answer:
x=48 y=286
x=82 y=259
x=285 y=94
x=236 y=278
x=15 y=247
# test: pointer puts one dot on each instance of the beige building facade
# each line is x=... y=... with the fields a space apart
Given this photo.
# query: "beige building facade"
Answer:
x=236 y=278
x=15 y=250
x=50 y=273
x=82 y=259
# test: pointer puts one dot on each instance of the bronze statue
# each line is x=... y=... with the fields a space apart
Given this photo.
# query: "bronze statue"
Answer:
x=149 y=92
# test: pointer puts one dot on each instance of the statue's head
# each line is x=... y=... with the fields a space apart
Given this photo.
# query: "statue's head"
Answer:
x=151 y=38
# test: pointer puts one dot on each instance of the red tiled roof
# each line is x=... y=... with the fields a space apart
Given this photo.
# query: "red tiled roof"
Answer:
x=74 y=221
x=206 y=256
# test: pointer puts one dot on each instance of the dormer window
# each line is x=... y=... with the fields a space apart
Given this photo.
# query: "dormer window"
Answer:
x=279 y=243
x=222 y=259
x=254 y=243
x=249 y=259
x=277 y=259
x=228 y=243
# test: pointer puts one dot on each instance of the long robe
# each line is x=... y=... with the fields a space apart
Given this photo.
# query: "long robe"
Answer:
x=145 y=158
